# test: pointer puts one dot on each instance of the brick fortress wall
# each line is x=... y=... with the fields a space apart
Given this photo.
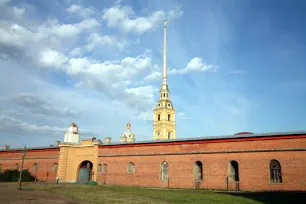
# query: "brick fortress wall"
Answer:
x=252 y=154
x=45 y=158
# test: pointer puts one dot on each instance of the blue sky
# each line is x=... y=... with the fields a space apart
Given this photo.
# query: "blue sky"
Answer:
x=233 y=66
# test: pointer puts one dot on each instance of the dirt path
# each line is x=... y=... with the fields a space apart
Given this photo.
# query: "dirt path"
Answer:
x=10 y=195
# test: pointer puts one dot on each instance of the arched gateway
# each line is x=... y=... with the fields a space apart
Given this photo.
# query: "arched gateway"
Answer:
x=85 y=172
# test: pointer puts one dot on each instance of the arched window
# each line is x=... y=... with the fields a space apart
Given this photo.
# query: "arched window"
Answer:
x=198 y=171
x=99 y=168
x=131 y=167
x=164 y=95
x=54 y=167
x=169 y=117
x=17 y=166
x=157 y=135
x=275 y=172
x=104 y=168
x=35 y=167
x=164 y=171
x=234 y=171
x=158 y=117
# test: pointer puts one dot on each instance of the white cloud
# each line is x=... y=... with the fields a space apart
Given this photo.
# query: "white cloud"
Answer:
x=195 y=65
x=47 y=110
x=35 y=105
x=18 y=11
x=11 y=112
x=46 y=45
x=113 y=78
x=11 y=12
x=182 y=116
x=124 y=18
x=53 y=58
x=116 y=14
x=95 y=40
x=14 y=126
x=236 y=71
x=92 y=41
x=74 y=8
x=52 y=26
x=134 y=66
x=177 y=12
x=41 y=44
x=116 y=103
x=77 y=52
x=155 y=75
x=116 y=79
x=123 y=44
x=72 y=29
x=4 y=1
x=146 y=93
x=77 y=9
x=14 y=34
x=146 y=115
x=142 y=24
x=110 y=71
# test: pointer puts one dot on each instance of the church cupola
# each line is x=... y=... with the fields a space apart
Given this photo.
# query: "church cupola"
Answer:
x=72 y=135
x=127 y=136
x=73 y=128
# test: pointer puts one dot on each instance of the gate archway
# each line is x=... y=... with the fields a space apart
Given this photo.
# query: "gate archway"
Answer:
x=85 y=172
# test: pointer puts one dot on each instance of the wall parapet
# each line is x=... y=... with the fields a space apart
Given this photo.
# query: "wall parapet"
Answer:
x=209 y=152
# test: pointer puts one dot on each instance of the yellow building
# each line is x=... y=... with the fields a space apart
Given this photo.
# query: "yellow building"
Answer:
x=164 y=112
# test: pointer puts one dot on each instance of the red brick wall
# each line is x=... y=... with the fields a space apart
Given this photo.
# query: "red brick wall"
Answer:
x=253 y=167
x=214 y=145
x=45 y=158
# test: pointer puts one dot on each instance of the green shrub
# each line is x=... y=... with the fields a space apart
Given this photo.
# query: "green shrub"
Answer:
x=92 y=183
x=1 y=176
x=26 y=176
x=13 y=176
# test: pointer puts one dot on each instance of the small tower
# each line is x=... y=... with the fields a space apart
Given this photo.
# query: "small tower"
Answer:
x=164 y=112
x=72 y=135
x=128 y=136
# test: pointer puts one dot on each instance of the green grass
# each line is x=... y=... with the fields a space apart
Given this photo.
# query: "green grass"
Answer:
x=137 y=195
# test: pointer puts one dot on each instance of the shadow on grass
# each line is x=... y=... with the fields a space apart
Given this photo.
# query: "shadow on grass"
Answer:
x=275 y=197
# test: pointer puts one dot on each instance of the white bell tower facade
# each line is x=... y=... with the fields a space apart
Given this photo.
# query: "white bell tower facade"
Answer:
x=72 y=135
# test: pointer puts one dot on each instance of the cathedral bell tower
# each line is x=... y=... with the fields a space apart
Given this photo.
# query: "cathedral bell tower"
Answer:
x=164 y=112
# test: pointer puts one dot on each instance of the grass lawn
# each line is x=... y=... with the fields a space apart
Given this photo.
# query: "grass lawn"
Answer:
x=136 y=195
